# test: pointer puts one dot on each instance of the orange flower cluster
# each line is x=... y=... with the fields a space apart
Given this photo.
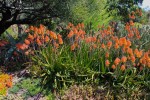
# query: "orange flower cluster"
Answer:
x=3 y=43
x=107 y=63
x=109 y=41
x=105 y=40
x=132 y=15
x=5 y=83
x=145 y=59
x=77 y=34
x=132 y=32
x=40 y=36
x=138 y=12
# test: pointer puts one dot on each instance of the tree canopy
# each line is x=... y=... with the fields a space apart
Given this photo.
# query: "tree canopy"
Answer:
x=123 y=7
x=28 y=11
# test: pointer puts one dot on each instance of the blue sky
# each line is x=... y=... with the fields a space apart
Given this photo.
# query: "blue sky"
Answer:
x=146 y=4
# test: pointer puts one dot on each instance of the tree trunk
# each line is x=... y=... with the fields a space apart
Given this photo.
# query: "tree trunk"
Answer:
x=4 y=27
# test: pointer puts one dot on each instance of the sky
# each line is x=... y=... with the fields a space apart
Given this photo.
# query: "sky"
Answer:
x=146 y=4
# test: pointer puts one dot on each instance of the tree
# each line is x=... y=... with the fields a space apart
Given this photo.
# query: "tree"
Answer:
x=29 y=11
x=91 y=12
x=123 y=7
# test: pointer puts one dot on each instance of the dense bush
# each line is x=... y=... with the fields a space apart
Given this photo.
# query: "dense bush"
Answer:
x=120 y=58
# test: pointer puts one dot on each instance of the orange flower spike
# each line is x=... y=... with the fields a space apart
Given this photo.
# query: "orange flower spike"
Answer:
x=109 y=28
x=125 y=48
x=130 y=51
x=123 y=67
x=128 y=43
x=39 y=31
x=80 y=32
x=131 y=23
x=77 y=38
x=82 y=36
x=36 y=30
x=88 y=39
x=132 y=58
x=73 y=47
x=27 y=30
x=113 y=67
x=122 y=41
x=71 y=33
x=60 y=39
x=138 y=53
x=103 y=46
x=18 y=46
x=9 y=84
x=31 y=28
x=47 y=32
x=78 y=26
x=93 y=39
x=146 y=55
x=53 y=35
x=107 y=63
x=143 y=61
x=56 y=45
x=127 y=27
x=35 y=35
x=2 y=85
x=46 y=39
x=117 y=61
x=38 y=42
x=116 y=46
x=59 y=36
x=30 y=37
x=130 y=34
x=138 y=36
x=24 y=46
x=42 y=26
x=21 y=46
x=42 y=37
x=124 y=59
x=109 y=44
x=26 y=41
x=75 y=31
x=132 y=17
x=107 y=55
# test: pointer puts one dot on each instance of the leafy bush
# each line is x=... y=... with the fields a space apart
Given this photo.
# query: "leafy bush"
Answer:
x=91 y=12
x=106 y=56
x=11 y=58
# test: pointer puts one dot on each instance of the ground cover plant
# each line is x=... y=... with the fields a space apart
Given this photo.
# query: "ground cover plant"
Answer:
x=110 y=63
